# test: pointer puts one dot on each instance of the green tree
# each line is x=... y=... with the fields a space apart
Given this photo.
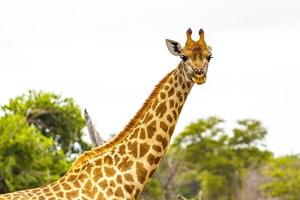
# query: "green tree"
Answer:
x=39 y=134
x=204 y=158
x=27 y=158
x=56 y=117
x=284 y=175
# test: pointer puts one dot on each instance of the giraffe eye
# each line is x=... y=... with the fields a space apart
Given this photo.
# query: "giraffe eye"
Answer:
x=209 y=57
x=184 y=58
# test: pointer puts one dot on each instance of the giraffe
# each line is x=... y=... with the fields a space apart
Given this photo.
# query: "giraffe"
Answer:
x=120 y=168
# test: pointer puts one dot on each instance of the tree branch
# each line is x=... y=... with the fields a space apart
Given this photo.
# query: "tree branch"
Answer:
x=96 y=139
x=180 y=197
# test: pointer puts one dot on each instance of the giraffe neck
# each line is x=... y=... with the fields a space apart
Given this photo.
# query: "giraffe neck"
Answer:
x=134 y=155
x=148 y=140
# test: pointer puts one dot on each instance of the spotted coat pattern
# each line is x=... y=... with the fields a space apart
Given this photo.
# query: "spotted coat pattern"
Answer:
x=121 y=168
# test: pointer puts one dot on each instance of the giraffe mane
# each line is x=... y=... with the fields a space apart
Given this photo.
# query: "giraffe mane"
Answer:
x=83 y=159
x=132 y=123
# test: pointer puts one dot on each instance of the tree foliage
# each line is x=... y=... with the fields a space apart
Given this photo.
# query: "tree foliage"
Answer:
x=208 y=160
x=39 y=132
x=56 y=117
x=284 y=174
x=27 y=158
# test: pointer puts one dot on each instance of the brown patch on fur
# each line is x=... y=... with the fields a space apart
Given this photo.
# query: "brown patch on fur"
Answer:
x=163 y=141
x=171 y=130
x=141 y=172
x=154 y=104
x=129 y=188
x=157 y=148
x=162 y=95
x=175 y=78
x=112 y=184
x=76 y=183
x=169 y=118
x=150 y=159
x=71 y=178
x=82 y=177
x=161 y=110
x=122 y=149
x=72 y=194
x=108 y=160
x=180 y=108
x=171 y=92
x=98 y=161
x=129 y=177
x=119 y=192
x=109 y=171
x=142 y=133
x=90 y=193
x=119 y=179
x=89 y=168
x=89 y=190
x=103 y=184
x=163 y=126
x=66 y=186
x=117 y=159
x=97 y=173
x=46 y=189
x=60 y=194
x=134 y=134
x=85 y=198
x=180 y=80
x=180 y=99
x=126 y=164
x=148 y=117
x=144 y=148
x=171 y=103
x=152 y=173
x=109 y=192
x=137 y=192
x=132 y=147
x=151 y=128
x=100 y=196
x=175 y=114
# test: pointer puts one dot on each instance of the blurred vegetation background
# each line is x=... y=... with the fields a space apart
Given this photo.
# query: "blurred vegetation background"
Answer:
x=41 y=134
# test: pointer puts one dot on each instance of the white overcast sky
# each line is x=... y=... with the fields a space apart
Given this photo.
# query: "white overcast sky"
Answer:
x=108 y=55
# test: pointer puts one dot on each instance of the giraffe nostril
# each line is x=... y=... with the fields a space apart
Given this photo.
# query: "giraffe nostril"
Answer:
x=198 y=72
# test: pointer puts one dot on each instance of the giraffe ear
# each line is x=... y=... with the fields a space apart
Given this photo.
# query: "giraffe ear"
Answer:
x=174 y=47
x=209 y=48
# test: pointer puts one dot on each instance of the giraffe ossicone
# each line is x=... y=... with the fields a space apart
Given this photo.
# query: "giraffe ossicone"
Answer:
x=120 y=168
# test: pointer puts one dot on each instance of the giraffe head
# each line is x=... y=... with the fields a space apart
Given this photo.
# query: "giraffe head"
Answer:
x=195 y=56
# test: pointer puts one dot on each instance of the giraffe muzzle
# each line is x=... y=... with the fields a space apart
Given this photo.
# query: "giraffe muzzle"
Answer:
x=199 y=76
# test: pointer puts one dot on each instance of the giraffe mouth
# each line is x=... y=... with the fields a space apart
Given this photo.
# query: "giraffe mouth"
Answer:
x=199 y=79
x=199 y=76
